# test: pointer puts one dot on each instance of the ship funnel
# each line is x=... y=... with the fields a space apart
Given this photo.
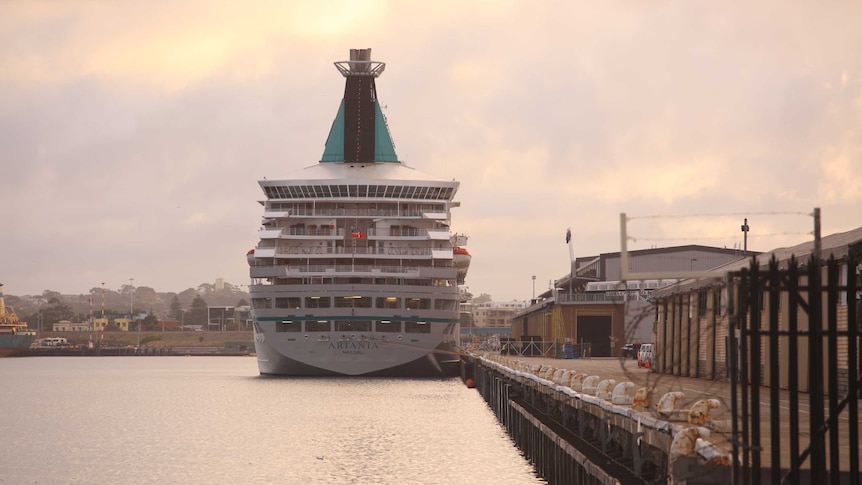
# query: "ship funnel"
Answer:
x=359 y=133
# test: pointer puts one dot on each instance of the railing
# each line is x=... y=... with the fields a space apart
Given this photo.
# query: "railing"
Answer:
x=350 y=212
x=590 y=298
x=804 y=343
x=402 y=232
x=390 y=251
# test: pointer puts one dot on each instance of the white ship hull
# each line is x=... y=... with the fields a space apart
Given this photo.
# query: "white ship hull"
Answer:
x=332 y=355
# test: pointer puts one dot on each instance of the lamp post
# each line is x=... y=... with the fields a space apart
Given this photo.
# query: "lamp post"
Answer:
x=132 y=306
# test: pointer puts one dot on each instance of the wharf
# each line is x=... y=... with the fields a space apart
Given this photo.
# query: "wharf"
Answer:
x=707 y=454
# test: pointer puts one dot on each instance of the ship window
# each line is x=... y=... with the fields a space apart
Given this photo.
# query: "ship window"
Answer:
x=444 y=304
x=261 y=303
x=317 y=326
x=317 y=302
x=417 y=327
x=353 y=302
x=290 y=302
x=418 y=303
x=388 y=326
x=388 y=302
x=352 y=326
x=288 y=326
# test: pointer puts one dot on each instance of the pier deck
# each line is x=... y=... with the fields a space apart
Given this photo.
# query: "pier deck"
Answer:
x=622 y=370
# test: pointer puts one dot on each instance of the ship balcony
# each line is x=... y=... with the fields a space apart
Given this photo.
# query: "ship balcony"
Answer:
x=407 y=233
x=295 y=270
x=351 y=212
x=391 y=252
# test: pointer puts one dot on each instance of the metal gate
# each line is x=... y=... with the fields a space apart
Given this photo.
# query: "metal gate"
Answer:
x=794 y=372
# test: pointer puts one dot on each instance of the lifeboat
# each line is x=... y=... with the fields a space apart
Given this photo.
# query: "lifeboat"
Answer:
x=250 y=257
x=461 y=260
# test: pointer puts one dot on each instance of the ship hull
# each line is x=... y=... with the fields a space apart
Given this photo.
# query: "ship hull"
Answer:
x=11 y=345
x=273 y=361
x=319 y=354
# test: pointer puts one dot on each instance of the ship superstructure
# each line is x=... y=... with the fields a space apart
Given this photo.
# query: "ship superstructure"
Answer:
x=356 y=271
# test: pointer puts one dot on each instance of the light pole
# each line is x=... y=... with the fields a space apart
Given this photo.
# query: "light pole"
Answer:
x=534 y=288
x=132 y=306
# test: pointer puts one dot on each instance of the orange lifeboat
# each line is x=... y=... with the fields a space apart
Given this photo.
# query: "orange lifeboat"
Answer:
x=461 y=260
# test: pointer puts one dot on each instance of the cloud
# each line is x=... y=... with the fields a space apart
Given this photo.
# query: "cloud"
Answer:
x=132 y=135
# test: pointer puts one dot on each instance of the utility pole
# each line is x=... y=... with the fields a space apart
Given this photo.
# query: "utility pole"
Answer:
x=745 y=236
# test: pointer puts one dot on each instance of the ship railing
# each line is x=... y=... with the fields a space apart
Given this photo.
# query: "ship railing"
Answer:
x=311 y=231
x=588 y=298
x=402 y=232
x=390 y=251
x=322 y=212
x=353 y=268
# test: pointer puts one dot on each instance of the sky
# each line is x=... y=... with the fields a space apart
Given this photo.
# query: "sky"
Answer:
x=133 y=134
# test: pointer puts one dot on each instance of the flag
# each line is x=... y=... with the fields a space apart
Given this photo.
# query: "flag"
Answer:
x=568 y=235
x=358 y=235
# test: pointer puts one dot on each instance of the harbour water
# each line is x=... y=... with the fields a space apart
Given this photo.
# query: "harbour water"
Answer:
x=215 y=420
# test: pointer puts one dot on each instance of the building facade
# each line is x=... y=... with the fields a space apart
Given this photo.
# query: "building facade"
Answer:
x=591 y=308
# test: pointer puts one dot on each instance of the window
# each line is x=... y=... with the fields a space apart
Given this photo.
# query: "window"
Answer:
x=388 y=302
x=289 y=302
x=445 y=304
x=318 y=326
x=352 y=326
x=261 y=303
x=417 y=327
x=353 y=302
x=388 y=326
x=418 y=303
x=318 y=302
x=288 y=326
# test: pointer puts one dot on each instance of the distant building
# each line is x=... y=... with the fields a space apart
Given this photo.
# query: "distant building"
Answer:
x=219 y=283
x=99 y=324
x=495 y=314
x=228 y=317
x=67 y=326
x=122 y=324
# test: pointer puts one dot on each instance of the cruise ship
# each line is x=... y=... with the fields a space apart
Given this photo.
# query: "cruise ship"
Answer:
x=357 y=271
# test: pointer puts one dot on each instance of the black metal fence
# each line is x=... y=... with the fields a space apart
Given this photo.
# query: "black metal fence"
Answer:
x=794 y=357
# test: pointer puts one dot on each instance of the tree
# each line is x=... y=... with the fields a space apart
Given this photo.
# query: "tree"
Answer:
x=482 y=298
x=55 y=311
x=151 y=322
x=176 y=311
x=197 y=314
x=242 y=302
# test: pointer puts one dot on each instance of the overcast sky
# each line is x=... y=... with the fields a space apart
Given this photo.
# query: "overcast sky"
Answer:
x=133 y=134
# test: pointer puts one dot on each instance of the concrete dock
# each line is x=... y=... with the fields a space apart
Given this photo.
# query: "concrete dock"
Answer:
x=708 y=462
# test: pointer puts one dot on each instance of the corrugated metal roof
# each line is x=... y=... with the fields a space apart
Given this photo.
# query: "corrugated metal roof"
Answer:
x=834 y=245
